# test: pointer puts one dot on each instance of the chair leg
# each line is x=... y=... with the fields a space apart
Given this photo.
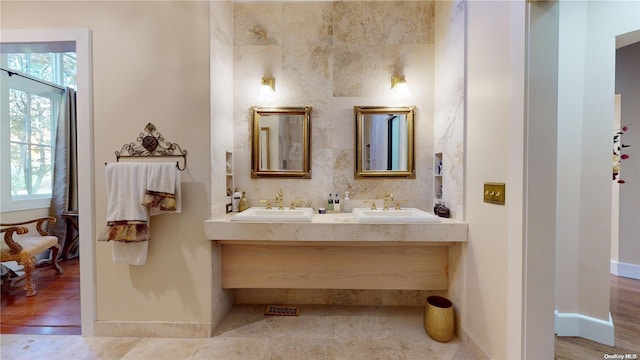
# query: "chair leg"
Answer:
x=29 y=264
x=54 y=255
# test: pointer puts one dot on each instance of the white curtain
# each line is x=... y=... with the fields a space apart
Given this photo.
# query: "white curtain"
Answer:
x=65 y=176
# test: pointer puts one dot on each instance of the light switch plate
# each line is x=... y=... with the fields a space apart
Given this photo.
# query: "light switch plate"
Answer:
x=494 y=193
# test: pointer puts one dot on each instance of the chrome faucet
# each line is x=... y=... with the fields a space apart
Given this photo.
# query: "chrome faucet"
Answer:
x=280 y=200
x=387 y=197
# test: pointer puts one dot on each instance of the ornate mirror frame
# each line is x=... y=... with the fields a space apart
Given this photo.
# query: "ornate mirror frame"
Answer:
x=360 y=113
x=258 y=129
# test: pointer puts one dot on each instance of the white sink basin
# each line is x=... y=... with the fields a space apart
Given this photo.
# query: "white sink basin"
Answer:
x=392 y=216
x=262 y=214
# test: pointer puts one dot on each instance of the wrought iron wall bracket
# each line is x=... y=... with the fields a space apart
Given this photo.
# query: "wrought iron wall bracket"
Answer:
x=152 y=144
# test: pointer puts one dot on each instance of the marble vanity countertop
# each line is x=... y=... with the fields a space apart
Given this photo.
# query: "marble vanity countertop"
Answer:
x=339 y=227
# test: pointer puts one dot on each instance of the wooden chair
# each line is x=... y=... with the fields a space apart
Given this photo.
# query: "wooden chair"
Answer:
x=24 y=249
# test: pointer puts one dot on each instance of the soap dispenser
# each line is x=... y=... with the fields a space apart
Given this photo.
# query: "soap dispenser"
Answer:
x=346 y=203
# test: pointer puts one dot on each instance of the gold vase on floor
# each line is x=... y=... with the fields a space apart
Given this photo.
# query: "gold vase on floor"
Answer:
x=438 y=318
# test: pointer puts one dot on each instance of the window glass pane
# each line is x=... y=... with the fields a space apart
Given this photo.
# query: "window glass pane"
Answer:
x=17 y=62
x=41 y=66
x=33 y=110
x=45 y=65
x=40 y=169
x=69 y=72
x=41 y=122
x=18 y=101
x=19 y=168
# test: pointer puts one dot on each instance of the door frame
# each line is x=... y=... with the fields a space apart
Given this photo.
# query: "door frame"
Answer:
x=83 y=42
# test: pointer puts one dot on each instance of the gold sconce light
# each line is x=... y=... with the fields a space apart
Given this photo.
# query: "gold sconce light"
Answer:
x=399 y=86
x=268 y=87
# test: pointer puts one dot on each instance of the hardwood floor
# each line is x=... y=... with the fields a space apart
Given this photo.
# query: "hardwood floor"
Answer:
x=625 y=311
x=55 y=310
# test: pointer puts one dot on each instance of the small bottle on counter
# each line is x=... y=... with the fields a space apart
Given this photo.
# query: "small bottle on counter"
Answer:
x=244 y=205
x=441 y=210
x=330 y=203
x=346 y=203
x=336 y=203
x=235 y=201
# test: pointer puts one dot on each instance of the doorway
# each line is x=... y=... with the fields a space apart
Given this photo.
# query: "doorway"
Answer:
x=585 y=132
x=625 y=249
x=38 y=180
x=82 y=40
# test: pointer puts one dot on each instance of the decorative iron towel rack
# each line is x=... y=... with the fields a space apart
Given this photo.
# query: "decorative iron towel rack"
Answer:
x=152 y=144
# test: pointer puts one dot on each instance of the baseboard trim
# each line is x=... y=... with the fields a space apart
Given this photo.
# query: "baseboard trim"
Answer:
x=151 y=329
x=472 y=347
x=573 y=324
x=625 y=270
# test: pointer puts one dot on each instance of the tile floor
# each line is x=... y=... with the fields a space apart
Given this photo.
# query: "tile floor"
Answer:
x=320 y=332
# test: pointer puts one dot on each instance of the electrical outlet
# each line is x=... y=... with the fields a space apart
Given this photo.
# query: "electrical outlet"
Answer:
x=494 y=193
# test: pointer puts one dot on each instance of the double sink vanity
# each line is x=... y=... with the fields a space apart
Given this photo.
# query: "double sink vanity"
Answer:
x=406 y=249
x=299 y=248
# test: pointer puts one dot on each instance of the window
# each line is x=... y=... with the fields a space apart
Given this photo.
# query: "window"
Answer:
x=30 y=107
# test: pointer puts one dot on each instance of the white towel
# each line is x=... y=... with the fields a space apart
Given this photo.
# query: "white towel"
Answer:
x=163 y=193
x=132 y=253
x=127 y=218
x=132 y=188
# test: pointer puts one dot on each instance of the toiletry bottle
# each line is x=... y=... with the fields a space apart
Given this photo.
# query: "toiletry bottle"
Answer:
x=336 y=203
x=346 y=203
x=443 y=211
x=244 y=205
x=330 y=204
x=235 y=201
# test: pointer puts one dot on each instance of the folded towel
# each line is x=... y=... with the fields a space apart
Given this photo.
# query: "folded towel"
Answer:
x=162 y=193
x=127 y=218
x=134 y=192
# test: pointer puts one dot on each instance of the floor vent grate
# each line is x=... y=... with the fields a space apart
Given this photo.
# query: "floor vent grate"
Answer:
x=282 y=310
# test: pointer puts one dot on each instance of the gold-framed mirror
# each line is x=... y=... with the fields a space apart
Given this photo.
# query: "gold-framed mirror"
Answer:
x=281 y=142
x=384 y=141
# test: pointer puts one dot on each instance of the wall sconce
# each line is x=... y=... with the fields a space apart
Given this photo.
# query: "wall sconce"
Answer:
x=268 y=88
x=399 y=86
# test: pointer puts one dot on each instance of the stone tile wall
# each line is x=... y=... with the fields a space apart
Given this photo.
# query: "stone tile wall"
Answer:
x=333 y=56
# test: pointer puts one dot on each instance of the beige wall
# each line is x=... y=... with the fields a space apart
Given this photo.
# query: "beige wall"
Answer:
x=150 y=64
x=491 y=315
x=221 y=63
